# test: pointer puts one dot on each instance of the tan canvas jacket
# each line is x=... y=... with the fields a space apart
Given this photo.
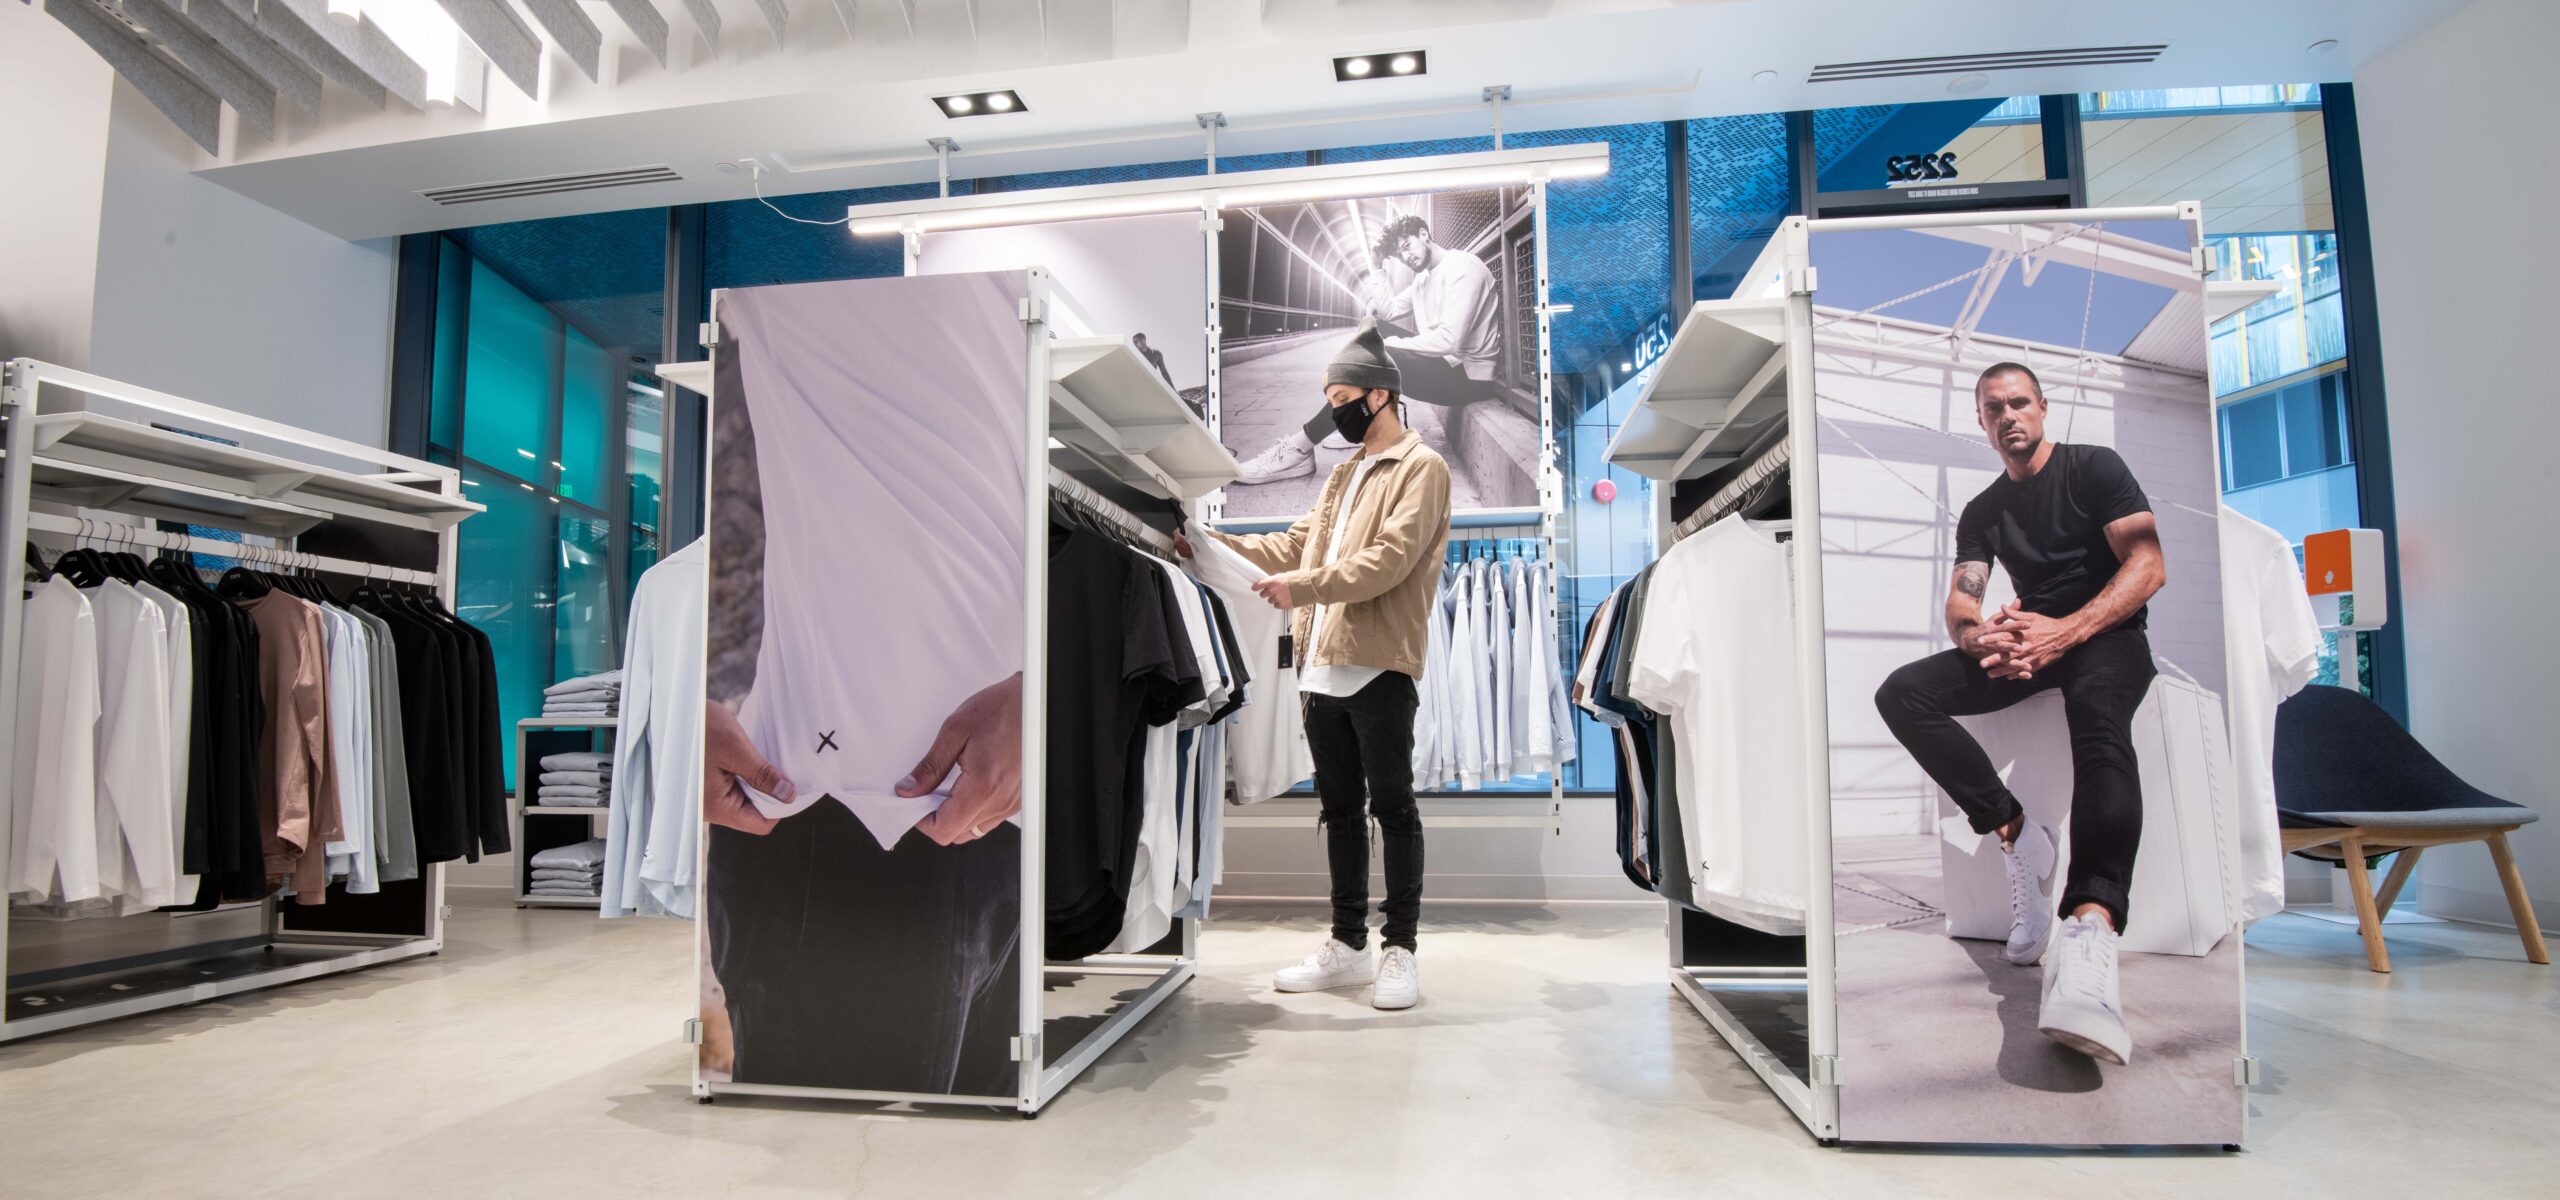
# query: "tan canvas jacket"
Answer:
x=1384 y=581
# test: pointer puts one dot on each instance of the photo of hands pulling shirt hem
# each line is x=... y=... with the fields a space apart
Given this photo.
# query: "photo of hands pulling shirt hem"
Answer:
x=874 y=449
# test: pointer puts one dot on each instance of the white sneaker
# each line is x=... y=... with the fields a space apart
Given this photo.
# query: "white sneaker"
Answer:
x=1399 y=980
x=2083 y=1008
x=1333 y=966
x=2030 y=866
x=1286 y=459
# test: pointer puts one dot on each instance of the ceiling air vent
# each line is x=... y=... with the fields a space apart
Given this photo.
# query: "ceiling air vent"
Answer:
x=550 y=185
x=1966 y=64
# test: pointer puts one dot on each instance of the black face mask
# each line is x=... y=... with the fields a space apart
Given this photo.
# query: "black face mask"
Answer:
x=1353 y=419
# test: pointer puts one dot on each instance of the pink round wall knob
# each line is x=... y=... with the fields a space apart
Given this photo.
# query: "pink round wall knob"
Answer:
x=1604 y=491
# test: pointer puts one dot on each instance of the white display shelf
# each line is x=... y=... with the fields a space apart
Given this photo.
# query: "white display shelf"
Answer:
x=2223 y=297
x=135 y=449
x=569 y=722
x=566 y=810
x=1720 y=385
x=207 y=470
x=384 y=498
x=1107 y=402
x=87 y=485
x=531 y=900
x=691 y=376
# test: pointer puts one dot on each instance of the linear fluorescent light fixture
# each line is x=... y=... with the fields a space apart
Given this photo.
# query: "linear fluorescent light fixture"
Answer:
x=980 y=104
x=1390 y=64
x=1332 y=181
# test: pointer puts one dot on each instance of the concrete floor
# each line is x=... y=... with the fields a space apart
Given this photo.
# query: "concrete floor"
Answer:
x=538 y=1056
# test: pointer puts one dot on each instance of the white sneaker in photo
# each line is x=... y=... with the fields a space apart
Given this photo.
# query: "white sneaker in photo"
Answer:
x=1399 y=980
x=2083 y=1008
x=1286 y=459
x=2029 y=863
x=1333 y=966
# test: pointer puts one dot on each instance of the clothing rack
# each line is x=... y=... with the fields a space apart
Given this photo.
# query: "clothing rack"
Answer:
x=86 y=457
x=1094 y=395
x=84 y=529
x=1096 y=504
x=1738 y=492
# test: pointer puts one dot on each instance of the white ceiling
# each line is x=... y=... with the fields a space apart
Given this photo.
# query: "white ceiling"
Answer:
x=1118 y=81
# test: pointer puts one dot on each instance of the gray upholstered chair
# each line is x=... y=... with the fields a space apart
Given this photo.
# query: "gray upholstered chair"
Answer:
x=2352 y=784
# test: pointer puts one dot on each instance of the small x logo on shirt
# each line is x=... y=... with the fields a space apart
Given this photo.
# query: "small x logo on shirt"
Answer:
x=826 y=742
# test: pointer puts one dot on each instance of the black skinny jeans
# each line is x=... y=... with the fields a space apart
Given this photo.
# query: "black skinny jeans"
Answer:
x=1363 y=747
x=1428 y=379
x=2103 y=681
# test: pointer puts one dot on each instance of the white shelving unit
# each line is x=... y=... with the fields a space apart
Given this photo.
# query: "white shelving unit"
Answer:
x=208 y=482
x=73 y=471
x=1721 y=385
x=1106 y=402
x=539 y=827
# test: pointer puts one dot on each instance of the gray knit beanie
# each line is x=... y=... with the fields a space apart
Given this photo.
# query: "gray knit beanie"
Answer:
x=1363 y=363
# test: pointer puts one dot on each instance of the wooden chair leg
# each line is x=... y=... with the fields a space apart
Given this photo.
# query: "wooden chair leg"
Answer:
x=2527 y=926
x=2368 y=921
x=2401 y=865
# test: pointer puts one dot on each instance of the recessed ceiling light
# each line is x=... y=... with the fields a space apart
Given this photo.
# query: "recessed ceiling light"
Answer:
x=2324 y=45
x=1765 y=77
x=1383 y=64
x=980 y=104
x=1966 y=85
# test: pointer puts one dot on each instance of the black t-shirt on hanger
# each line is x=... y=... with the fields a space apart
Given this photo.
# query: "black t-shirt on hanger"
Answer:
x=1117 y=664
x=2049 y=530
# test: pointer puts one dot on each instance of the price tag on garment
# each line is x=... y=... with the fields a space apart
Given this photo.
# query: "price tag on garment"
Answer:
x=1288 y=651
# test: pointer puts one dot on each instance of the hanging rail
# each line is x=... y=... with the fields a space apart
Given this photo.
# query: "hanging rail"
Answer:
x=136 y=535
x=1728 y=497
x=1094 y=502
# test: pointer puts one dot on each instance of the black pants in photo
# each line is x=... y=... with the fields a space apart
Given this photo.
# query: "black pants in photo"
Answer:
x=1363 y=748
x=850 y=966
x=1428 y=379
x=2103 y=681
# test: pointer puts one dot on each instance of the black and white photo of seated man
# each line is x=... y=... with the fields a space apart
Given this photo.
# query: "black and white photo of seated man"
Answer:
x=1449 y=303
x=2075 y=532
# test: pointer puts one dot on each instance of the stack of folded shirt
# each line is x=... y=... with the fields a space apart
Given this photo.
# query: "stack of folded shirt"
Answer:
x=580 y=780
x=585 y=696
x=576 y=870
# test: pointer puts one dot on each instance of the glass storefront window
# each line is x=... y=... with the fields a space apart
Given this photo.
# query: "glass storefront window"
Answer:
x=545 y=333
x=1990 y=140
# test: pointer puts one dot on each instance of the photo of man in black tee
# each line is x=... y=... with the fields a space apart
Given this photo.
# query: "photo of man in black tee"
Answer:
x=2075 y=532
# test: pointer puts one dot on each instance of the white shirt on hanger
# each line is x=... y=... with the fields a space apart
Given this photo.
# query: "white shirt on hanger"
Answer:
x=1267 y=744
x=137 y=859
x=1565 y=735
x=350 y=716
x=1469 y=738
x=1716 y=656
x=2271 y=642
x=182 y=675
x=53 y=795
x=1530 y=674
x=653 y=824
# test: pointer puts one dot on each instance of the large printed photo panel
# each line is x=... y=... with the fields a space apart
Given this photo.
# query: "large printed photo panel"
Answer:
x=2016 y=441
x=867 y=609
x=1450 y=276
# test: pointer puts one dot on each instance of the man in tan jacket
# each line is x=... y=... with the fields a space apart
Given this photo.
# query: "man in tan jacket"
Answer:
x=1361 y=572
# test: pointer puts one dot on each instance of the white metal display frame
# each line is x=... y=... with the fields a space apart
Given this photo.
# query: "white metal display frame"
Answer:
x=1047 y=311
x=1784 y=275
x=26 y=385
